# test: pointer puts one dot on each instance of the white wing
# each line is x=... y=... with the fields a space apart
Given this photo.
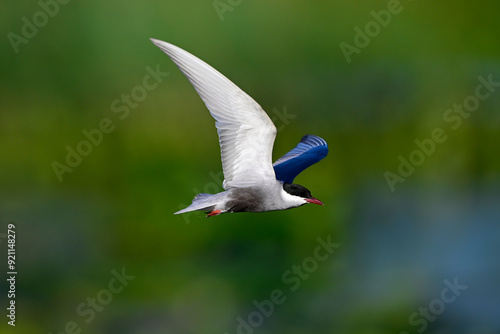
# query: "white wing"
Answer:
x=246 y=133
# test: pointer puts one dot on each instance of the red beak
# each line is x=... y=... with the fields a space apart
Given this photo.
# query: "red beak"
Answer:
x=314 y=201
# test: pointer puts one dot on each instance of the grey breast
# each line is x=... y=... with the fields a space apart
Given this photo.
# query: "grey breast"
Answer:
x=246 y=200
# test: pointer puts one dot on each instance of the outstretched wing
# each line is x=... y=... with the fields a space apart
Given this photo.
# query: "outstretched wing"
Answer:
x=246 y=133
x=309 y=151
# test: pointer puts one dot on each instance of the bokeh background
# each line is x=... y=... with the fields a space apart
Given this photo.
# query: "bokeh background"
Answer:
x=114 y=210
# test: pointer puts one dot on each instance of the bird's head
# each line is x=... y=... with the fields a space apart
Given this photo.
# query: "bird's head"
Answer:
x=302 y=192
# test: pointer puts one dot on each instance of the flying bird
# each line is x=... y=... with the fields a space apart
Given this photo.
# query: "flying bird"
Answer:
x=252 y=182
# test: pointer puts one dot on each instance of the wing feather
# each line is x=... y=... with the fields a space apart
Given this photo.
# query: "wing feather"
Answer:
x=308 y=151
x=246 y=133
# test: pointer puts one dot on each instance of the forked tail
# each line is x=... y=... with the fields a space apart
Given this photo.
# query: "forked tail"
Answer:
x=202 y=202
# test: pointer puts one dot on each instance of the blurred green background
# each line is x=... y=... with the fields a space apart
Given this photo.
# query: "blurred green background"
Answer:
x=114 y=210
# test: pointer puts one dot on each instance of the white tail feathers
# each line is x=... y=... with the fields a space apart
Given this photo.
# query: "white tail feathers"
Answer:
x=202 y=202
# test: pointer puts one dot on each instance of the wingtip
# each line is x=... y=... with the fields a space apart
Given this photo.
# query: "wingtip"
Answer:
x=313 y=138
x=166 y=47
x=156 y=41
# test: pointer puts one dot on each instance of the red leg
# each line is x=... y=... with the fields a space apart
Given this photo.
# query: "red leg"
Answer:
x=214 y=213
